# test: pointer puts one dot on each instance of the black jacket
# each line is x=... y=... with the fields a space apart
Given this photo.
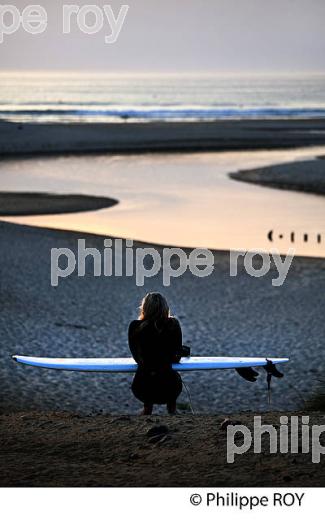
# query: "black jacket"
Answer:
x=155 y=346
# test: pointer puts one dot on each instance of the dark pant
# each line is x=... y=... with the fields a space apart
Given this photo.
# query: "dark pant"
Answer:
x=156 y=386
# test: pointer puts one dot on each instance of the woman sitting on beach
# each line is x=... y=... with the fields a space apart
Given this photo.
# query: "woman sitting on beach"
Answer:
x=155 y=341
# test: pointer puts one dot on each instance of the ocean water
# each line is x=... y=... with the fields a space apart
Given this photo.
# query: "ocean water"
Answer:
x=104 y=97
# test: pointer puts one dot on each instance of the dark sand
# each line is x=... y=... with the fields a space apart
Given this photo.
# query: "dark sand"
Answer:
x=89 y=316
x=59 y=449
x=13 y=203
x=306 y=176
x=31 y=138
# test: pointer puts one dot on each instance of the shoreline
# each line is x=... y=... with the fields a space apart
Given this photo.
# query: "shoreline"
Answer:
x=27 y=139
x=311 y=176
x=66 y=234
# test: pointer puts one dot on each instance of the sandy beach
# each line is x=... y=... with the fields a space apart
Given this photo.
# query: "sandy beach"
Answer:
x=48 y=203
x=305 y=176
x=61 y=449
x=29 y=138
x=88 y=317
x=77 y=416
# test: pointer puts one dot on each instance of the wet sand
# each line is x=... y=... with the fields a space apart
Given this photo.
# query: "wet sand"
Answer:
x=88 y=317
x=13 y=203
x=60 y=449
x=305 y=176
x=31 y=138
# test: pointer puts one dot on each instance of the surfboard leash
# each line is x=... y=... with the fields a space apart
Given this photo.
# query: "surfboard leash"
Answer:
x=269 y=391
x=271 y=370
x=189 y=397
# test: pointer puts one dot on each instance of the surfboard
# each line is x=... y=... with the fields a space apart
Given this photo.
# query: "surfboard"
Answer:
x=129 y=365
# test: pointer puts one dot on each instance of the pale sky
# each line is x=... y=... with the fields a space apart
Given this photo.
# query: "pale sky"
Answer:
x=179 y=35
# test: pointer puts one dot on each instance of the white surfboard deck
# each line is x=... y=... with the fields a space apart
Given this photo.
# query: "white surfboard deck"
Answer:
x=129 y=365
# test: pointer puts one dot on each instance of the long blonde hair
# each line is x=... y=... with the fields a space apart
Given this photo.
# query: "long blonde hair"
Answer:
x=154 y=307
